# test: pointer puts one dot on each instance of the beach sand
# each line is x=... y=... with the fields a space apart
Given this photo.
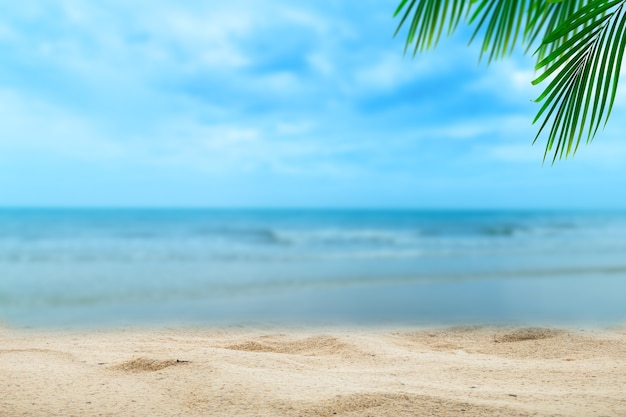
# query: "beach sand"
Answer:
x=239 y=371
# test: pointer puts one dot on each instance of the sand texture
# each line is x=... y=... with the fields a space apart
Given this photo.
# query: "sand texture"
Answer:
x=304 y=372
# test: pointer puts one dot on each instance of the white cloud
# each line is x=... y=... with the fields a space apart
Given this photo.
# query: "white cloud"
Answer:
x=509 y=80
x=293 y=128
x=7 y=33
x=516 y=153
x=34 y=125
x=389 y=71
x=303 y=18
x=322 y=63
x=236 y=149
x=522 y=79
x=491 y=127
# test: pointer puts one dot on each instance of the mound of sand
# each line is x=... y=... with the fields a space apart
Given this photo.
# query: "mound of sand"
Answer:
x=147 y=365
x=310 y=346
x=522 y=335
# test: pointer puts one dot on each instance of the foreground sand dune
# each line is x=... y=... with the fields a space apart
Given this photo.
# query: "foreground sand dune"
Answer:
x=301 y=372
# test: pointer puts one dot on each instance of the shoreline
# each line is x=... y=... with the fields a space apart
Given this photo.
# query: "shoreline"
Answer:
x=300 y=371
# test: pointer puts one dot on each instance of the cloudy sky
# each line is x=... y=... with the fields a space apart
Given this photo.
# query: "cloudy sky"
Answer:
x=271 y=103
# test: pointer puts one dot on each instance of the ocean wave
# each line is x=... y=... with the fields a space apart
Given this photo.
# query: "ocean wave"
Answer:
x=346 y=237
x=502 y=230
x=182 y=256
x=248 y=238
x=461 y=251
x=317 y=236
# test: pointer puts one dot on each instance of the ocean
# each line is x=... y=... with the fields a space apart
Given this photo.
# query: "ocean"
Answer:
x=100 y=268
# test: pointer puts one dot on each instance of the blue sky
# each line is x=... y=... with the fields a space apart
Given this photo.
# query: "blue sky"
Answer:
x=272 y=103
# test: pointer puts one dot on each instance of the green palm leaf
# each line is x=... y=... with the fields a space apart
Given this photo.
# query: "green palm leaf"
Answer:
x=500 y=22
x=545 y=17
x=580 y=55
x=429 y=19
x=584 y=62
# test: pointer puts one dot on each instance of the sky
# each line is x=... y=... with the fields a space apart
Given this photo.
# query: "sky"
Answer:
x=272 y=103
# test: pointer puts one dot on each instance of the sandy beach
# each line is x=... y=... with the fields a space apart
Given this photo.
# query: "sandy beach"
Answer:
x=242 y=371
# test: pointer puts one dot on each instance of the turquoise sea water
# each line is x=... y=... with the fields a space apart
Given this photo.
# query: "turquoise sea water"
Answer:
x=92 y=268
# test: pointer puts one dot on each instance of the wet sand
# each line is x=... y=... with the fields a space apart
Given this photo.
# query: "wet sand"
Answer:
x=304 y=372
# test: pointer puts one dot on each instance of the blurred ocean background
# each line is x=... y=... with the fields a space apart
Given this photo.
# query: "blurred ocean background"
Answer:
x=94 y=268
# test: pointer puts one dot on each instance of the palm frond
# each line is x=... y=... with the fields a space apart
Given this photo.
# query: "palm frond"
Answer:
x=544 y=17
x=429 y=19
x=582 y=70
x=580 y=56
x=502 y=21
